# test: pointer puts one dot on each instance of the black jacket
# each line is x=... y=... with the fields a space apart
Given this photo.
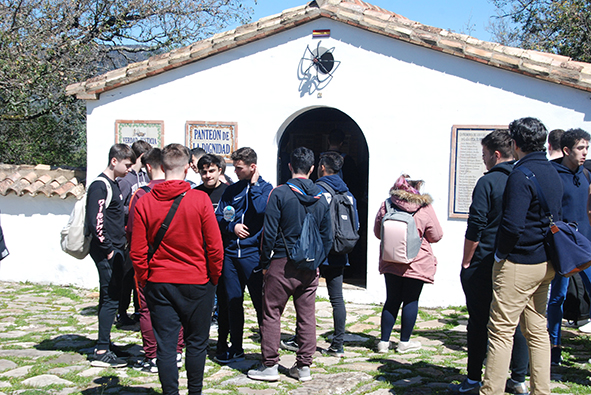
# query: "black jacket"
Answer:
x=520 y=238
x=485 y=212
x=106 y=225
x=285 y=210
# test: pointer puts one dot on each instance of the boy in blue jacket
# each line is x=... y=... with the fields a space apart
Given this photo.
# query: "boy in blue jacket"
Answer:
x=240 y=215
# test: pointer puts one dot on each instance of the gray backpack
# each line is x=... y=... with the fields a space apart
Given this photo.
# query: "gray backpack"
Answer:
x=401 y=242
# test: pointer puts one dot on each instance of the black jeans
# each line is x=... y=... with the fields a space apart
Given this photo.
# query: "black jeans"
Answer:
x=477 y=285
x=334 y=285
x=110 y=275
x=173 y=305
x=239 y=273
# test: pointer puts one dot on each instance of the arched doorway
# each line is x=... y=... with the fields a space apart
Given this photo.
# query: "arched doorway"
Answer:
x=311 y=129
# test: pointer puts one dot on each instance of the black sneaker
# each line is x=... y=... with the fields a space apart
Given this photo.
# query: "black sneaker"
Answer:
x=150 y=366
x=334 y=352
x=118 y=351
x=290 y=344
x=107 y=360
x=229 y=356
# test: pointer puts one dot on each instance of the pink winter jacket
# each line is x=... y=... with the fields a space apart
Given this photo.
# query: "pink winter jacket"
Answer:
x=423 y=267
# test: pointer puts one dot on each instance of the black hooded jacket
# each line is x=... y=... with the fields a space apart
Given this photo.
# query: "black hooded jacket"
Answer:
x=285 y=210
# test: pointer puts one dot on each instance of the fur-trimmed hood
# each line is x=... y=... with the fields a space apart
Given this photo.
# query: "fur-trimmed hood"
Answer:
x=410 y=201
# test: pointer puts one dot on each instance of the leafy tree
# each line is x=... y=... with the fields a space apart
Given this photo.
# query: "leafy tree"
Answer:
x=558 y=26
x=46 y=45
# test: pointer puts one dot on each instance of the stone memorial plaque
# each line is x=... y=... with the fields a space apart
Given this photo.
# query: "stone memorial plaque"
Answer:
x=466 y=166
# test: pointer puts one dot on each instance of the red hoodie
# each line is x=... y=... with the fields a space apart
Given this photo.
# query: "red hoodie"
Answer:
x=181 y=258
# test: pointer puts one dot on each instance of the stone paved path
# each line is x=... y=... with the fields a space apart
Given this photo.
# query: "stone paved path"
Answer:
x=46 y=332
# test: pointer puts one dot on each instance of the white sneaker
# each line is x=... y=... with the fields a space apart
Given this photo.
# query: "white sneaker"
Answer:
x=383 y=347
x=411 y=345
x=585 y=328
x=302 y=374
x=265 y=373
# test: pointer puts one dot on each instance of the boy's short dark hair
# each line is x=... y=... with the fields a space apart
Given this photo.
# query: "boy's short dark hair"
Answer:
x=153 y=157
x=245 y=154
x=332 y=161
x=208 y=160
x=140 y=147
x=197 y=152
x=301 y=160
x=175 y=156
x=554 y=138
x=498 y=140
x=572 y=136
x=529 y=134
x=121 y=152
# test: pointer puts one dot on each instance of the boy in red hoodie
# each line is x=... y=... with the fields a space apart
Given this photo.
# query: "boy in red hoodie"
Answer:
x=181 y=276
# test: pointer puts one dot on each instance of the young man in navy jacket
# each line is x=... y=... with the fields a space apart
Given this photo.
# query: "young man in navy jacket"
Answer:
x=329 y=166
x=240 y=215
x=575 y=180
x=522 y=272
x=284 y=219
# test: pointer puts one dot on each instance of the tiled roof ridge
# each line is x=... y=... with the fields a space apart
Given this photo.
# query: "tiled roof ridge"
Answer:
x=546 y=66
x=28 y=180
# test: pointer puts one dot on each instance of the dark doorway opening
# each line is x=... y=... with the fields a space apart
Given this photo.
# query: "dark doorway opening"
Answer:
x=311 y=129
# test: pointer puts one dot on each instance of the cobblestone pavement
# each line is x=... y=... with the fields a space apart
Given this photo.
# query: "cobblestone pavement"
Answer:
x=47 y=331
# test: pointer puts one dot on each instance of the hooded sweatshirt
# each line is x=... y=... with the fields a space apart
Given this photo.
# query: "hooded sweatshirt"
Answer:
x=181 y=257
x=424 y=265
x=574 y=199
x=285 y=211
x=336 y=182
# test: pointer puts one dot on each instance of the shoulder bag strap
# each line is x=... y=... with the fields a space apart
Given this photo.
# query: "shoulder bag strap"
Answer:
x=164 y=227
x=531 y=176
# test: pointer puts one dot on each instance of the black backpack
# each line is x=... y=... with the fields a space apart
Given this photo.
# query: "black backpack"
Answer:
x=577 y=302
x=342 y=213
x=308 y=251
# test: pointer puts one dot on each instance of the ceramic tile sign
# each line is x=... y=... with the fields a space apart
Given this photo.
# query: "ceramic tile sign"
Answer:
x=128 y=132
x=466 y=166
x=217 y=138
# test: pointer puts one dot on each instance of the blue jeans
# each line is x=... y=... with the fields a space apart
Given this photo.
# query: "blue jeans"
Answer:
x=558 y=289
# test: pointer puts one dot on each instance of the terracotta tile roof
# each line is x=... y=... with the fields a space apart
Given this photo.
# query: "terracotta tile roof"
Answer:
x=549 y=67
x=25 y=180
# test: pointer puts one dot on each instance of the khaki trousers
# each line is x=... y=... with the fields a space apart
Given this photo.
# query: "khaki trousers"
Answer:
x=519 y=292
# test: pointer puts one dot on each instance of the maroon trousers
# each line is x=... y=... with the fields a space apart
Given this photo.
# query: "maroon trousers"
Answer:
x=281 y=281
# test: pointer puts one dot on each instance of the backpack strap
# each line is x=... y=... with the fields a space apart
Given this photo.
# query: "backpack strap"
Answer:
x=586 y=172
x=109 y=197
x=164 y=227
x=328 y=188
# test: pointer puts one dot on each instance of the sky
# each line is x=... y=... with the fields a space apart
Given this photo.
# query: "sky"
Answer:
x=454 y=15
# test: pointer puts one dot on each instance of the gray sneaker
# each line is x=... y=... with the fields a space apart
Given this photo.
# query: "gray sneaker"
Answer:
x=302 y=374
x=265 y=373
x=513 y=387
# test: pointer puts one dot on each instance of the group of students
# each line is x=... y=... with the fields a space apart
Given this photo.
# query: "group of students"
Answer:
x=187 y=246
x=240 y=235
x=506 y=273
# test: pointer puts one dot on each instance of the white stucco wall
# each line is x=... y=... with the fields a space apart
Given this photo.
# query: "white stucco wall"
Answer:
x=404 y=98
x=31 y=227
